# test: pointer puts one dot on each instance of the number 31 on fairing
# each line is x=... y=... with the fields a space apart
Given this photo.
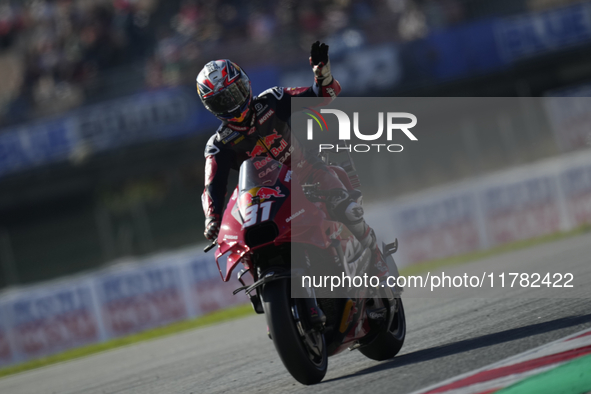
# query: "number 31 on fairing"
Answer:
x=251 y=214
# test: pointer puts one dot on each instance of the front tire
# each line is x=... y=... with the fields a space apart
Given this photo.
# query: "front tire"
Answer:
x=388 y=343
x=304 y=357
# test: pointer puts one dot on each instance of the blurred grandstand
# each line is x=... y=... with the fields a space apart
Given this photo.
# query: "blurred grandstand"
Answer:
x=57 y=55
x=102 y=139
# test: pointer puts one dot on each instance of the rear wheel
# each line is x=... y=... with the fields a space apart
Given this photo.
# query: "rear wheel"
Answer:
x=388 y=343
x=302 y=350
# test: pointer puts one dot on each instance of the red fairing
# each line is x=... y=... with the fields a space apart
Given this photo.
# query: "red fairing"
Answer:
x=297 y=219
x=231 y=240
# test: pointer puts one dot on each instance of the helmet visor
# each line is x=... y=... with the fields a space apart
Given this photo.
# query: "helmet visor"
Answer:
x=228 y=100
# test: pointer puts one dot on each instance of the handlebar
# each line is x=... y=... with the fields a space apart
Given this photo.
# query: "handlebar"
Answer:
x=210 y=246
x=313 y=193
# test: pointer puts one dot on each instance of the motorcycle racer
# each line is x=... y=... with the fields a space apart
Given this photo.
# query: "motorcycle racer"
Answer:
x=259 y=127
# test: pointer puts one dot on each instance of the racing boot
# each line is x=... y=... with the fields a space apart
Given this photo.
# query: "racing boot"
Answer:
x=367 y=237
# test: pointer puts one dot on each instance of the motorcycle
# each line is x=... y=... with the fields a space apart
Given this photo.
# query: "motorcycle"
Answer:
x=270 y=220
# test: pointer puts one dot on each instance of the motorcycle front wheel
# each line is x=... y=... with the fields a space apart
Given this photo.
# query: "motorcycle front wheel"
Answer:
x=302 y=350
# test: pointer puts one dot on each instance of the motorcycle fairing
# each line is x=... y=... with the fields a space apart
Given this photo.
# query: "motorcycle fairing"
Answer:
x=232 y=232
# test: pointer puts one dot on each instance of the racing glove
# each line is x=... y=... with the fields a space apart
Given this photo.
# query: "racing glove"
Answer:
x=212 y=228
x=320 y=64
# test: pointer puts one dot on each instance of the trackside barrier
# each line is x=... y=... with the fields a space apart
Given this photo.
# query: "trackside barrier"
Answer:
x=49 y=318
x=507 y=206
x=134 y=298
x=6 y=355
x=127 y=297
x=132 y=295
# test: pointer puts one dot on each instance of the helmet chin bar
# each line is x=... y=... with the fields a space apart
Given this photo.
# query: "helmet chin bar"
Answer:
x=236 y=120
x=240 y=117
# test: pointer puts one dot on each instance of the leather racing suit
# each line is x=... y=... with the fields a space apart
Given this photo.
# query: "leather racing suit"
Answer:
x=268 y=136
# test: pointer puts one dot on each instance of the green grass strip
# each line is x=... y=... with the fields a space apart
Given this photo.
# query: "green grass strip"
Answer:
x=174 y=328
x=573 y=377
x=433 y=265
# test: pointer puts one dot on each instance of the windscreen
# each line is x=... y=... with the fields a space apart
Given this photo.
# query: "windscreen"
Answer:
x=265 y=175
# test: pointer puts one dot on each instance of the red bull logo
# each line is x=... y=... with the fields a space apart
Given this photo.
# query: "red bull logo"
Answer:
x=267 y=192
x=268 y=140
x=276 y=151
x=263 y=193
x=263 y=145
x=261 y=163
x=258 y=150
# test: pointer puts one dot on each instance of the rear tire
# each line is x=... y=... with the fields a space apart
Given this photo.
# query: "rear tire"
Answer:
x=305 y=366
x=388 y=343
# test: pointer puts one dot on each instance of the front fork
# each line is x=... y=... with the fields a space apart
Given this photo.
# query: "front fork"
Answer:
x=310 y=309
x=313 y=313
x=254 y=297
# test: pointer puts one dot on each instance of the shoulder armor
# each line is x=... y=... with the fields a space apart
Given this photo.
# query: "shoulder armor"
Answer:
x=210 y=148
x=276 y=91
x=223 y=132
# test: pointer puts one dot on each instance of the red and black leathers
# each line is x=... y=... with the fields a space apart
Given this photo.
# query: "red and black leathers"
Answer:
x=266 y=136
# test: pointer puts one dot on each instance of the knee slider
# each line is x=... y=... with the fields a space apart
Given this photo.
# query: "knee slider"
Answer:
x=353 y=213
x=347 y=207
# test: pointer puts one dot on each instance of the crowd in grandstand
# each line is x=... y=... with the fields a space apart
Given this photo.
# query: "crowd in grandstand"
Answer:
x=50 y=49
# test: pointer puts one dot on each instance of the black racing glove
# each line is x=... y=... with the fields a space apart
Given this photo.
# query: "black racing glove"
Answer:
x=320 y=64
x=212 y=228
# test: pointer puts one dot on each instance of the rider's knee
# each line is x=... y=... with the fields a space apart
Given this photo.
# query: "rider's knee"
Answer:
x=347 y=206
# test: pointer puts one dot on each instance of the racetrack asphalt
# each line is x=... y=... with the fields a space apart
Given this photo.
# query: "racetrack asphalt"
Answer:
x=445 y=337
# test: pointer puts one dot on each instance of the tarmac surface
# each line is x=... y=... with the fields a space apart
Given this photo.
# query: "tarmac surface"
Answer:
x=446 y=336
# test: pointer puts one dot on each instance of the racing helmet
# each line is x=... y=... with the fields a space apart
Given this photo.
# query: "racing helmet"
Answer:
x=224 y=88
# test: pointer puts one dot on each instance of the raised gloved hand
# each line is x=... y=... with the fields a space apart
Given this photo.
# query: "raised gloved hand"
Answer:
x=320 y=64
x=212 y=228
